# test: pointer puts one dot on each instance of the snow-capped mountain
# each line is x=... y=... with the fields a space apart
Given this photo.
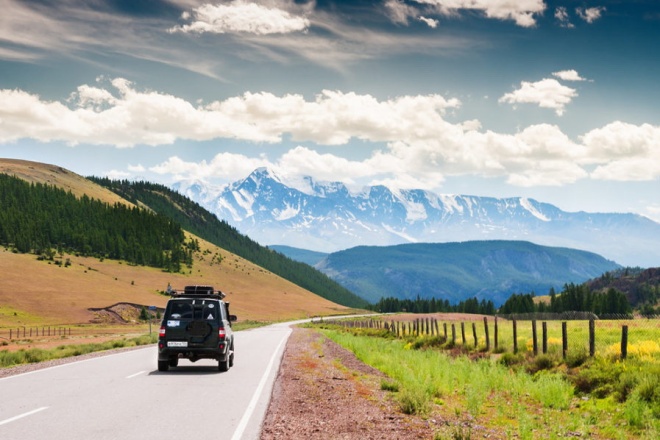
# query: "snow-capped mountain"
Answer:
x=327 y=217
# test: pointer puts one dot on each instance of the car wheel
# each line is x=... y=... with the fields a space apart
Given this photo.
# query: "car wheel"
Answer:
x=163 y=365
x=174 y=362
x=223 y=365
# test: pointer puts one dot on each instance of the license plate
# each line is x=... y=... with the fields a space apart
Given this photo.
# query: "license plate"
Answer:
x=177 y=343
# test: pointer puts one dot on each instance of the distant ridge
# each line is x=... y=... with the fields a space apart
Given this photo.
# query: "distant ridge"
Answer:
x=491 y=270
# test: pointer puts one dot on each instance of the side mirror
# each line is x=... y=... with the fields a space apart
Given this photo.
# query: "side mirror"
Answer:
x=233 y=318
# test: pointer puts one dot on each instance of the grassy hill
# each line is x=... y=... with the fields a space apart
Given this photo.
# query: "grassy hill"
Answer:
x=35 y=291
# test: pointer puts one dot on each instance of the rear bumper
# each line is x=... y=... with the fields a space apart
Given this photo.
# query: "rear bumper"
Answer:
x=166 y=353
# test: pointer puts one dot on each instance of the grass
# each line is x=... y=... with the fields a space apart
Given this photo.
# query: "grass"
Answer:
x=516 y=395
x=32 y=355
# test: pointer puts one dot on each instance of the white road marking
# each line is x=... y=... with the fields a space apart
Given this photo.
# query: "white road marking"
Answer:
x=136 y=374
x=257 y=393
x=149 y=347
x=20 y=416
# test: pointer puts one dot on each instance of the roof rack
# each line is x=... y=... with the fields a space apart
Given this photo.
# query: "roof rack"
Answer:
x=197 y=291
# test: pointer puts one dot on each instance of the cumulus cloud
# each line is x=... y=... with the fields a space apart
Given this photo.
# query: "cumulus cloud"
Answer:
x=568 y=75
x=124 y=116
x=229 y=165
x=240 y=16
x=413 y=143
x=547 y=93
x=590 y=14
x=522 y=12
x=624 y=152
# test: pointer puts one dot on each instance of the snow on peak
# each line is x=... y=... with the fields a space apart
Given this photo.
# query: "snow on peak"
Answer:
x=527 y=204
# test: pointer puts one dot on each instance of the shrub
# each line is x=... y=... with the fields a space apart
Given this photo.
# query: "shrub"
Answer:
x=576 y=358
x=540 y=363
x=387 y=385
x=413 y=402
x=649 y=389
x=511 y=359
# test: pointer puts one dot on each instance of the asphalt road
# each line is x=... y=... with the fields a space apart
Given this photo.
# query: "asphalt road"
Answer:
x=123 y=396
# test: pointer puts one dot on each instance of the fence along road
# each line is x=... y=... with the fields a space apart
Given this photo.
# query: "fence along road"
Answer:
x=124 y=396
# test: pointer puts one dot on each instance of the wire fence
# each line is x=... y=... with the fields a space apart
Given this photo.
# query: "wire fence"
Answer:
x=618 y=336
x=26 y=334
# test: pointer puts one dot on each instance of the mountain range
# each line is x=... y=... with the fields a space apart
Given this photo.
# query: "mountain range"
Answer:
x=327 y=217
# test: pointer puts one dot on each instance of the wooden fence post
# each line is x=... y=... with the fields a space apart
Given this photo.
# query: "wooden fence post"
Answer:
x=474 y=333
x=486 y=332
x=624 y=342
x=515 y=336
x=444 y=326
x=592 y=338
x=544 y=326
x=463 y=333
x=453 y=334
x=564 y=340
x=534 y=339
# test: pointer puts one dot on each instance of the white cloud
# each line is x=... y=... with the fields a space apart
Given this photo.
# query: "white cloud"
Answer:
x=624 y=152
x=398 y=11
x=240 y=16
x=412 y=142
x=429 y=22
x=561 y=14
x=136 y=168
x=229 y=165
x=117 y=174
x=523 y=12
x=590 y=14
x=568 y=75
x=547 y=93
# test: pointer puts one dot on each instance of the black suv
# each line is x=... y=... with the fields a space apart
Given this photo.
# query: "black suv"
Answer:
x=196 y=325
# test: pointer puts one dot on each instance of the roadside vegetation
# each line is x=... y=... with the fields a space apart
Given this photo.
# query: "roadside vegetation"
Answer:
x=519 y=395
x=33 y=355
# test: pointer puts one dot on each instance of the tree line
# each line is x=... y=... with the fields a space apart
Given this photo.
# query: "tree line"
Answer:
x=573 y=298
x=44 y=219
x=433 y=305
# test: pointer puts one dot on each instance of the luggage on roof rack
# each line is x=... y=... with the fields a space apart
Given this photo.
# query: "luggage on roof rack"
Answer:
x=198 y=291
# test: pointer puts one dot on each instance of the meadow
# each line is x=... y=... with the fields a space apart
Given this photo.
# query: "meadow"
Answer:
x=520 y=395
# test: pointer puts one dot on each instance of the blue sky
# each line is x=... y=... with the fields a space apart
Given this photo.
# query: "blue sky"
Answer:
x=554 y=100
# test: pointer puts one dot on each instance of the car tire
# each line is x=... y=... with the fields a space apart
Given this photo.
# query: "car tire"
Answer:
x=163 y=365
x=174 y=362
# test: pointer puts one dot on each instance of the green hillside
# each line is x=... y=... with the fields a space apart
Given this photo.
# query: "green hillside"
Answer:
x=197 y=220
x=44 y=219
x=457 y=271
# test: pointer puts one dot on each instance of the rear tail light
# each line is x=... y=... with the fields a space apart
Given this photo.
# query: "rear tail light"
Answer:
x=161 y=333
x=222 y=333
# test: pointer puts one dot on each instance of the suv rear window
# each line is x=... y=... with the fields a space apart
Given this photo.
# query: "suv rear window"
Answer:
x=194 y=309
